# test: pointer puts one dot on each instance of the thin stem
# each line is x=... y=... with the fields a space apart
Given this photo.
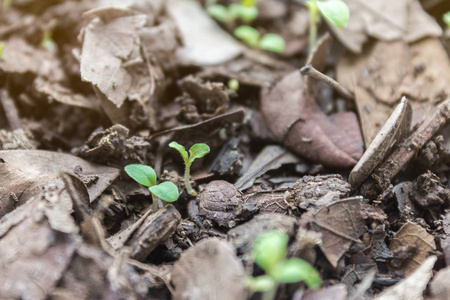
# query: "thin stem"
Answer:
x=270 y=294
x=155 y=203
x=187 y=182
x=313 y=20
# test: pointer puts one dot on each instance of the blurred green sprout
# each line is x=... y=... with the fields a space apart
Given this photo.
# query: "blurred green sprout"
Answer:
x=252 y=37
x=446 y=18
x=335 y=12
x=270 y=251
x=246 y=11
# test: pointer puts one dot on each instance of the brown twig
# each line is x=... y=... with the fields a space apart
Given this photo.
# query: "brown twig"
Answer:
x=310 y=71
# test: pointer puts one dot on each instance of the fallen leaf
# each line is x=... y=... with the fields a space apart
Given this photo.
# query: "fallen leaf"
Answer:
x=25 y=172
x=204 y=42
x=341 y=225
x=209 y=270
x=270 y=158
x=36 y=246
x=386 y=21
x=416 y=238
x=387 y=71
x=295 y=120
x=413 y=286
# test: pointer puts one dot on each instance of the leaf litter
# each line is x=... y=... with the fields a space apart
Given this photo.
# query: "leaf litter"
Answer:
x=122 y=80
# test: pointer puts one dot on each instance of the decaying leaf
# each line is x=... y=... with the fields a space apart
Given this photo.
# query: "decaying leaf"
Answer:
x=25 y=172
x=412 y=245
x=413 y=286
x=341 y=225
x=37 y=242
x=208 y=270
x=295 y=120
x=387 y=21
x=112 y=60
x=387 y=71
x=270 y=158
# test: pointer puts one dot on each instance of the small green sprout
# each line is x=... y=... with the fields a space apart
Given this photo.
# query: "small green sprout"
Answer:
x=335 y=12
x=2 y=48
x=196 y=151
x=47 y=41
x=446 y=18
x=245 y=11
x=233 y=84
x=146 y=176
x=251 y=36
x=270 y=254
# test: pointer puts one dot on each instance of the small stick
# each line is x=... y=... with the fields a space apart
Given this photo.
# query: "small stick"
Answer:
x=310 y=71
x=406 y=150
x=10 y=109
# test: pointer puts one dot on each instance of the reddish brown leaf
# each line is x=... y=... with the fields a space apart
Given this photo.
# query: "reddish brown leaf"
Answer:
x=297 y=121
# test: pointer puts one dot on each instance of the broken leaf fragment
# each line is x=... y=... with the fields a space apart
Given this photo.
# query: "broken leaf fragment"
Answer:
x=296 y=120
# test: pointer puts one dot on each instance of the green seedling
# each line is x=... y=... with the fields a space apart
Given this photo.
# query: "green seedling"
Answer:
x=269 y=252
x=246 y=11
x=251 y=36
x=446 y=18
x=335 y=12
x=196 y=151
x=146 y=176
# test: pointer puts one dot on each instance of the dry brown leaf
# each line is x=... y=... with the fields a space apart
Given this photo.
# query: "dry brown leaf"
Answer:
x=296 y=120
x=340 y=224
x=387 y=21
x=415 y=237
x=25 y=172
x=388 y=71
x=37 y=242
x=209 y=270
x=413 y=286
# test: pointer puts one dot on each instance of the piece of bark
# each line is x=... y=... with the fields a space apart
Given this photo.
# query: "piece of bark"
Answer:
x=209 y=270
x=295 y=120
x=395 y=130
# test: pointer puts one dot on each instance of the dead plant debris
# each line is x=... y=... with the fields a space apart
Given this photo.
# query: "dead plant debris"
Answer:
x=89 y=87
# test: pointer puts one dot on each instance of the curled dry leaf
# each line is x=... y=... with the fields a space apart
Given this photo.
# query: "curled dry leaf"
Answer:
x=393 y=131
x=415 y=240
x=208 y=270
x=296 y=120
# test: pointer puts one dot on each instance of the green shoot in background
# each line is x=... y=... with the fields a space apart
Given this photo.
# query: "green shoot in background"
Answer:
x=247 y=12
x=196 y=151
x=335 y=12
x=251 y=36
x=446 y=18
x=146 y=176
x=269 y=251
